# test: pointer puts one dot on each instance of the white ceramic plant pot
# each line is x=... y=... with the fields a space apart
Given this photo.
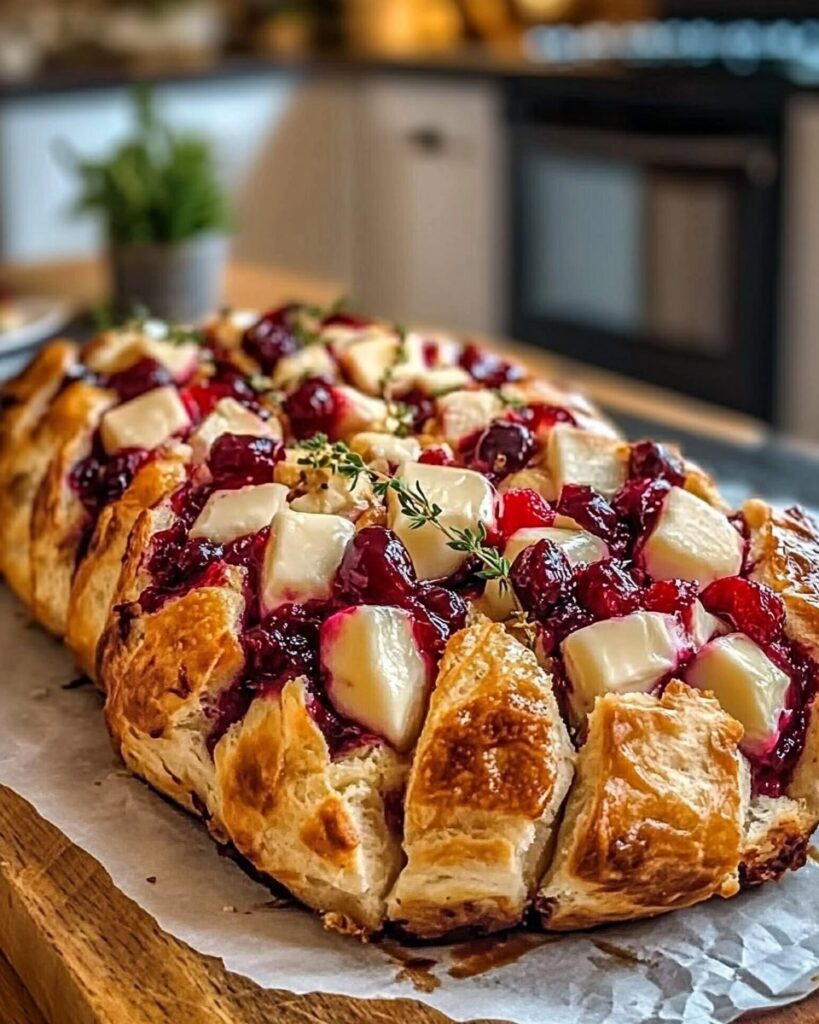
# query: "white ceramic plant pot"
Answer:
x=181 y=283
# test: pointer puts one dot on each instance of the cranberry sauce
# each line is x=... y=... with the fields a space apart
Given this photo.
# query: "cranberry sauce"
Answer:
x=272 y=337
x=521 y=508
x=503 y=448
x=100 y=479
x=284 y=645
x=179 y=563
x=135 y=380
x=313 y=408
x=487 y=368
x=226 y=382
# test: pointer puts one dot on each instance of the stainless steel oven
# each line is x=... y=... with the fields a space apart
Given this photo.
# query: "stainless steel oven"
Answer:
x=644 y=231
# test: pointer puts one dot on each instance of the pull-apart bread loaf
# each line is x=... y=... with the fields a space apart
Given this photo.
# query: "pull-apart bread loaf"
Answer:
x=415 y=632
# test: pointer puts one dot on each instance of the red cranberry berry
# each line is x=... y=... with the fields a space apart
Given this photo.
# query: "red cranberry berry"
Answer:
x=639 y=503
x=271 y=338
x=446 y=605
x=487 y=368
x=237 y=460
x=670 y=596
x=376 y=568
x=226 y=382
x=607 y=589
x=284 y=646
x=522 y=508
x=341 y=319
x=143 y=376
x=541 y=577
x=420 y=405
x=504 y=448
x=565 y=619
x=436 y=457
x=651 y=461
x=312 y=409
x=539 y=415
x=197 y=555
x=751 y=607
x=101 y=479
x=591 y=511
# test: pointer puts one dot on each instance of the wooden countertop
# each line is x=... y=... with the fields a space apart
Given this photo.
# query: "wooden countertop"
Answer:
x=73 y=949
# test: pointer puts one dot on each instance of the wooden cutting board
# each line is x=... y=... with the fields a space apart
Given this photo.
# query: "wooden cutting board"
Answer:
x=85 y=954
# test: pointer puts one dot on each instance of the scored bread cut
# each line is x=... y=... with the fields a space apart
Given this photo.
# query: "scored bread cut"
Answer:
x=492 y=766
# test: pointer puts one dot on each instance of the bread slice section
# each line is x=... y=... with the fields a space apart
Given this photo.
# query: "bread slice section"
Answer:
x=328 y=828
x=165 y=671
x=97 y=577
x=655 y=819
x=489 y=775
x=26 y=448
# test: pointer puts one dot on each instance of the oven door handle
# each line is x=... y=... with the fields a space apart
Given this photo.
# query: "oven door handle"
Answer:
x=751 y=156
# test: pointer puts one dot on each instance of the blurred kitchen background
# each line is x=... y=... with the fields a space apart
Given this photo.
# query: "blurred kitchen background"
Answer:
x=632 y=184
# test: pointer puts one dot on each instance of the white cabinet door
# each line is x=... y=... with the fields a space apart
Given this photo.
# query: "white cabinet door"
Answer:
x=427 y=238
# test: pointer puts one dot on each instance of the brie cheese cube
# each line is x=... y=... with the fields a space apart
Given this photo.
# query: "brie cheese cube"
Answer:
x=462 y=413
x=580 y=457
x=358 y=412
x=372 y=446
x=577 y=545
x=702 y=625
x=368 y=362
x=626 y=655
x=376 y=674
x=466 y=500
x=144 y=422
x=231 y=514
x=339 y=337
x=310 y=361
x=748 y=685
x=303 y=552
x=229 y=417
x=692 y=540
x=125 y=349
x=441 y=379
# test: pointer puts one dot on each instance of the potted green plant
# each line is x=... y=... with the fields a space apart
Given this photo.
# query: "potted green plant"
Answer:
x=164 y=215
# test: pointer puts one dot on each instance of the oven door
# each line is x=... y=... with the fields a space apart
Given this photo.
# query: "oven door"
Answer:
x=650 y=253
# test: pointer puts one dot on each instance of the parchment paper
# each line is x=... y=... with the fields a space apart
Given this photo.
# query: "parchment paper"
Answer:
x=706 y=964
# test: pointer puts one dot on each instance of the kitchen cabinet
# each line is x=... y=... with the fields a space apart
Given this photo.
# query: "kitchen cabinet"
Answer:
x=428 y=243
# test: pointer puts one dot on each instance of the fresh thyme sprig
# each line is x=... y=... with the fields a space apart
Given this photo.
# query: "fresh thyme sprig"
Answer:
x=309 y=333
x=508 y=401
x=415 y=504
x=399 y=414
x=336 y=457
x=182 y=335
x=420 y=511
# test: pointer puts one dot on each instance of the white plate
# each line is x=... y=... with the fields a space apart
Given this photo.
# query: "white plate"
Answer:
x=41 y=317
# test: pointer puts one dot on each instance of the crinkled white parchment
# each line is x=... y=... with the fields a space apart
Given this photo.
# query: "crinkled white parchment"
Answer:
x=706 y=964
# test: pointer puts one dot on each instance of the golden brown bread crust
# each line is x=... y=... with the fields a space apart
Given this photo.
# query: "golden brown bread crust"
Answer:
x=25 y=402
x=97 y=576
x=25 y=398
x=776 y=839
x=58 y=516
x=655 y=819
x=66 y=419
x=163 y=670
x=489 y=775
x=320 y=826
